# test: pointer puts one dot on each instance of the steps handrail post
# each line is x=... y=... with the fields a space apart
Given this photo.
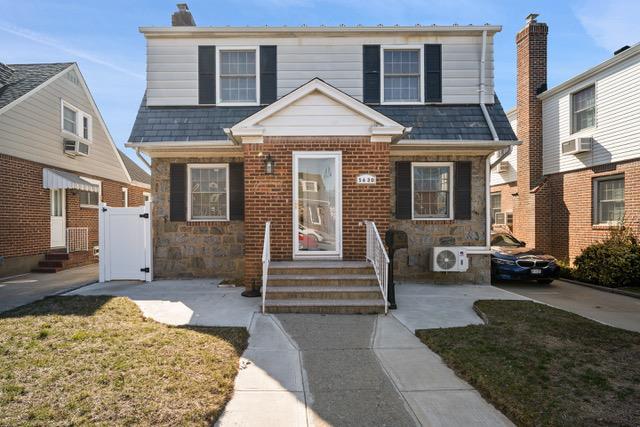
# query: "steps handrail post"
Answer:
x=266 y=258
x=377 y=255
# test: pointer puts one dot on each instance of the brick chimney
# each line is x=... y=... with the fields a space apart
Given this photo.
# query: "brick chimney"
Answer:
x=531 y=44
x=182 y=18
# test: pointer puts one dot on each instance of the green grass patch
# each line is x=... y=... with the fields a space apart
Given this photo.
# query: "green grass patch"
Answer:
x=633 y=289
x=546 y=367
x=96 y=360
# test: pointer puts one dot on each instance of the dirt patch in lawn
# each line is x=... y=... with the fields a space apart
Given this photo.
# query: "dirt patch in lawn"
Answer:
x=96 y=360
x=544 y=366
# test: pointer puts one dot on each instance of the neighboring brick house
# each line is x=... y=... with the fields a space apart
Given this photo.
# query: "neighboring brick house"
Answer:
x=399 y=123
x=578 y=169
x=57 y=161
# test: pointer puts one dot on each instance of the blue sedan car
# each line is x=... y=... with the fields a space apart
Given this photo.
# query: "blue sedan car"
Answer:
x=512 y=260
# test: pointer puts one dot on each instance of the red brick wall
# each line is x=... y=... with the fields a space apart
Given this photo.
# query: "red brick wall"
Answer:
x=25 y=208
x=569 y=228
x=269 y=197
x=506 y=195
x=531 y=43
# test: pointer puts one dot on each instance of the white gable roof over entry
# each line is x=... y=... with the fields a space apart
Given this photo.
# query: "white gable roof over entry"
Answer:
x=316 y=109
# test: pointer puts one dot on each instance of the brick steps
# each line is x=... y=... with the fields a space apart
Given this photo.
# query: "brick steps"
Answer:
x=57 y=260
x=341 y=287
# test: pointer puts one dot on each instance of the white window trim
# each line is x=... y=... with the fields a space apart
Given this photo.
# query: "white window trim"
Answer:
x=421 y=80
x=219 y=49
x=99 y=184
x=80 y=114
x=319 y=222
x=595 y=201
x=590 y=129
x=125 y=192
x=451 y=181
x=206 y=166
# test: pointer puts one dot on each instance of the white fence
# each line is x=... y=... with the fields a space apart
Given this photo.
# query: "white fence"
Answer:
x=126 y=251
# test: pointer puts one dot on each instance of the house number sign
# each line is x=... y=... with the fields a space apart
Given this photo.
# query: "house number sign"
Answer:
x=366 y=179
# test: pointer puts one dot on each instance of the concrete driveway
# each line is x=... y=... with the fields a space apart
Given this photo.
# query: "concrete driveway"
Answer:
x=27 y=288
x=612 y=309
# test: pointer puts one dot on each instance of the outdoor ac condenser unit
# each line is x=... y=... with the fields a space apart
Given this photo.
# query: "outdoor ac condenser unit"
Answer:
x=577 y=145
x=449 y=258
x=504 y=218
x=75 y=148
x=503 y=167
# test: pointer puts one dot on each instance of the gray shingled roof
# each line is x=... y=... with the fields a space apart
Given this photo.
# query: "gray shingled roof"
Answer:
x=451 y=122
x=135 y=172
x=26 y=77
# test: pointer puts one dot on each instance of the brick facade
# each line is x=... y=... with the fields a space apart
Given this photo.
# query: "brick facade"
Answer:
x=529 y=208
x=269 y=197
x=25 y=227
x=507 y=192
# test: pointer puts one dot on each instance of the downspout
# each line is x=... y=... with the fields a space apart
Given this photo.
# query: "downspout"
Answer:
x=142 y=158
x=487 y=174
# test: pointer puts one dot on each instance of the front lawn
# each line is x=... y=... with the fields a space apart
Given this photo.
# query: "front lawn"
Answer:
x=96 y=360
x=544 y=366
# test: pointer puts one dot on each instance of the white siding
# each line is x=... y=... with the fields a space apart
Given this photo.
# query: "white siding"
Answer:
x=512 y=158
x=617 y=132
x=172 y=64
x=31 y=130
x=318 y=115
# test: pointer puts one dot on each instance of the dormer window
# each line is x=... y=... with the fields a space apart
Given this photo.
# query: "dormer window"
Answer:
x=402 y=71
x=76 y=122
x=237 y=76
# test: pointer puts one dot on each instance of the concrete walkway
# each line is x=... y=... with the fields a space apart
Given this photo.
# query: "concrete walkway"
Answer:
x=27 y=288
x=612 y=309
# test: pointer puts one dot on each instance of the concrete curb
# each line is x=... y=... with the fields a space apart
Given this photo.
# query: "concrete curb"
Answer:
x=601 y=288
x=480 y=314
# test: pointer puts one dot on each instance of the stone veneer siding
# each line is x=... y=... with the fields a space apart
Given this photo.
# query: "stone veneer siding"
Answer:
x=193 y=249
x=269 y=197
x=415 y=263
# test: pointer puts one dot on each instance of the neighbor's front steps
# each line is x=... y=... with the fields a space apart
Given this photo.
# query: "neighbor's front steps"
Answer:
x=59 y=259
x=345 y=287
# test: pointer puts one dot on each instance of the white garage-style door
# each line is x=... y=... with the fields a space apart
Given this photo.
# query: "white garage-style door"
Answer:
x=125 y=243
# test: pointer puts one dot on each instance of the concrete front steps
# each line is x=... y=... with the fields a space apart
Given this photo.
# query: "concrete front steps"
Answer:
x=344 y=287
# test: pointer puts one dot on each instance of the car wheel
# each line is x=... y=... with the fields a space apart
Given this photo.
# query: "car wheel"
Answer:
x=545 y=281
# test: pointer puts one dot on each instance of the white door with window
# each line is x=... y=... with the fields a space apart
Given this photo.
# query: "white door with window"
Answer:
x=58 y=218
x=317 y=204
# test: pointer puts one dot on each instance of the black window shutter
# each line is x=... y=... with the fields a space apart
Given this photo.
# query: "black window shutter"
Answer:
x=371 y=74
x=403 y=190
x=268 y=74
x=177 y=192
x=236 y=191
x=433 y=73
x=206 y=74
x=462 y=190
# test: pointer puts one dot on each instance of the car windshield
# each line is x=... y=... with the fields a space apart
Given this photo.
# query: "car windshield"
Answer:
x=505 y=240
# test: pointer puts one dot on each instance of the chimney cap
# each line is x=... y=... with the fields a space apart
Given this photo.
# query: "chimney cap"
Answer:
x=182 y=7
x=531 y=18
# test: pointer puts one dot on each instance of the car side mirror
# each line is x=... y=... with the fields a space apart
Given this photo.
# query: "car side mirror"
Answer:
x=523 y=244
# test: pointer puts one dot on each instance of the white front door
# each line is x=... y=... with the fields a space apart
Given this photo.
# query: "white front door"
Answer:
x=58 y=218
x=317 y=204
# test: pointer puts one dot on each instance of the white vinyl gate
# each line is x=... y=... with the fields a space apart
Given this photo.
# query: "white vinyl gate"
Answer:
x=125 y=243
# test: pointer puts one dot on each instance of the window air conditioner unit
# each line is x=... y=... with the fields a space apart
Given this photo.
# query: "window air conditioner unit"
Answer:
x=74 y=148
x=503 y=167
x=449 y=258
x=504 y=218
x=577 y=145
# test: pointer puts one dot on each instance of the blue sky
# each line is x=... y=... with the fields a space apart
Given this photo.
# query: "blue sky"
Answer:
x=102 y=36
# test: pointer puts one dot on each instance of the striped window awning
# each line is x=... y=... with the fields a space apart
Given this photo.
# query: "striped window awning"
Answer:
x=55 y=179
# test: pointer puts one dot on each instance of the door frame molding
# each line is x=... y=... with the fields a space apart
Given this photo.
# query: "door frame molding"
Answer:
x=337 y=156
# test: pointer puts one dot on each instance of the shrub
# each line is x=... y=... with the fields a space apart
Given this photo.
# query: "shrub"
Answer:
x=614 y=262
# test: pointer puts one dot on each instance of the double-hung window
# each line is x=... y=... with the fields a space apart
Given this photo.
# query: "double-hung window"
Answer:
x=608 y=198
x=237 y=76
x=583 y=109
x=432 y=188
x=91 y=199
x=208 y=196
x=402 y=70
x=76 y=122
x=496 y=205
